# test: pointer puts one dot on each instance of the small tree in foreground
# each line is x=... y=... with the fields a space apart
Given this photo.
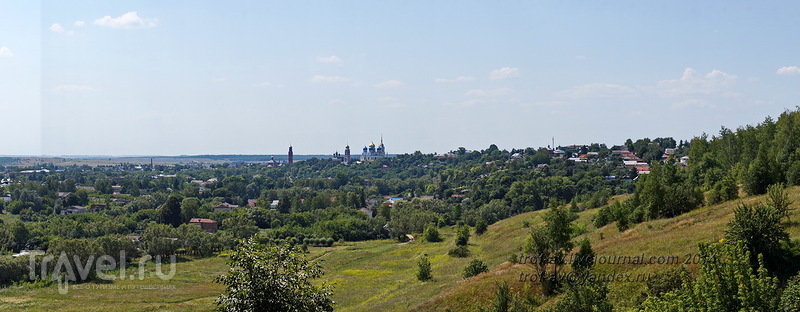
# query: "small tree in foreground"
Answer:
x=424 y=269
x=272 y=278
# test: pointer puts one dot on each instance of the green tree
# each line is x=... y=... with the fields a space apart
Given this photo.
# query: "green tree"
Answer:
x=240 y=226
x=424 y=268
x=474 y=267
x=550 y=243
x=170 y=211
x=758 y=227
x=190 y=207
x=272 y=278
x=778 y=198
x=584 y=258
x=480 y=226
x=432 y=234
x=462 y=235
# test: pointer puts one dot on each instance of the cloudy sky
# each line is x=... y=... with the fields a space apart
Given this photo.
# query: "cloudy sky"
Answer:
x=252 y=77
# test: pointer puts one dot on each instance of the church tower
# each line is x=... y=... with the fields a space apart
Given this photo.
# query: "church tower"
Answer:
x=291 y=155
x=347 y=153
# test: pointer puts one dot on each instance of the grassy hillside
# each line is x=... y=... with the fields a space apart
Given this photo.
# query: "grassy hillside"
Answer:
x=380 y=275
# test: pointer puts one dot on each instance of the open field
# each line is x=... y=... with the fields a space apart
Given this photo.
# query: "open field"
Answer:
x=380 y=275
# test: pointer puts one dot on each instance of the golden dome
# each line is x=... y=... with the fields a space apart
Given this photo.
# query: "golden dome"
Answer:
x=372 y=144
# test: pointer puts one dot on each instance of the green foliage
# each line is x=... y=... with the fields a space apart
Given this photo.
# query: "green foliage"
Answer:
x=13 y=270
x=190 y=208
x=584 y=258
x=272 y=278
x=778 y=199
x=240 y=226
x=459 y=252
x=550 y=243
x=790 y=298
x=723 y=190
x=480 y=226
x=726 y=283
x=502 y=299
x=666 y=281
x=171 y=211
x=589 y=297
x=758 y=227
x=665 y=192
x=462 y=235
x=160 y=239
x=432 y=234
x=424 y=269
x=474 y=267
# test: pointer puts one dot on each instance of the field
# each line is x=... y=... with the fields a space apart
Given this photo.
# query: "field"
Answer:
x=380 y=275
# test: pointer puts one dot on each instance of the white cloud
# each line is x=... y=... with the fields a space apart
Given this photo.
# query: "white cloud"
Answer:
x=486 y=93
x=328 y=79
x=691 y=83
x=598 y=91
x=580 y=57
x=57 y=28
x=128 y=20
x=504 y=73
x=789 y=70
x=457 y=79
x=336 y=102
x=73 y=89
x=333 y=59
x=389 y=84
x=387 y=99
x=80 y=23
x=6 y=52
x=221 y=79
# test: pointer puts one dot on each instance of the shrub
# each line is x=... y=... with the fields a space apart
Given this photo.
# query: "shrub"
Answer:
x=474 y=267
x=480 y=226
x=462 y=236
x=459 y=252
x=790 y=299
x=432 y=235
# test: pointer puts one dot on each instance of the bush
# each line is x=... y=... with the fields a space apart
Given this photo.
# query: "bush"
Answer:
x=432 y=235
x=790 y=299
x=474 y=267
x=462 y=236
x=480 y=226
x=424 y=269
x=459 y=252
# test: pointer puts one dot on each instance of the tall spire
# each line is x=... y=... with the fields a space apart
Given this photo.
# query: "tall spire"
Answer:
x=291 y=154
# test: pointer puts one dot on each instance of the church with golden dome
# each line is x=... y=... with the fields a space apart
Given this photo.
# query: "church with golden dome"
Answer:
x=372 y=152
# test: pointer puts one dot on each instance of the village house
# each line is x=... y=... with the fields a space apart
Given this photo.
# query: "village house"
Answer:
x=207 y=225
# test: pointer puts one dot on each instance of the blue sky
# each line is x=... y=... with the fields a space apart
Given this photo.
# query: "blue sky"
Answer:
x=252 y=77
